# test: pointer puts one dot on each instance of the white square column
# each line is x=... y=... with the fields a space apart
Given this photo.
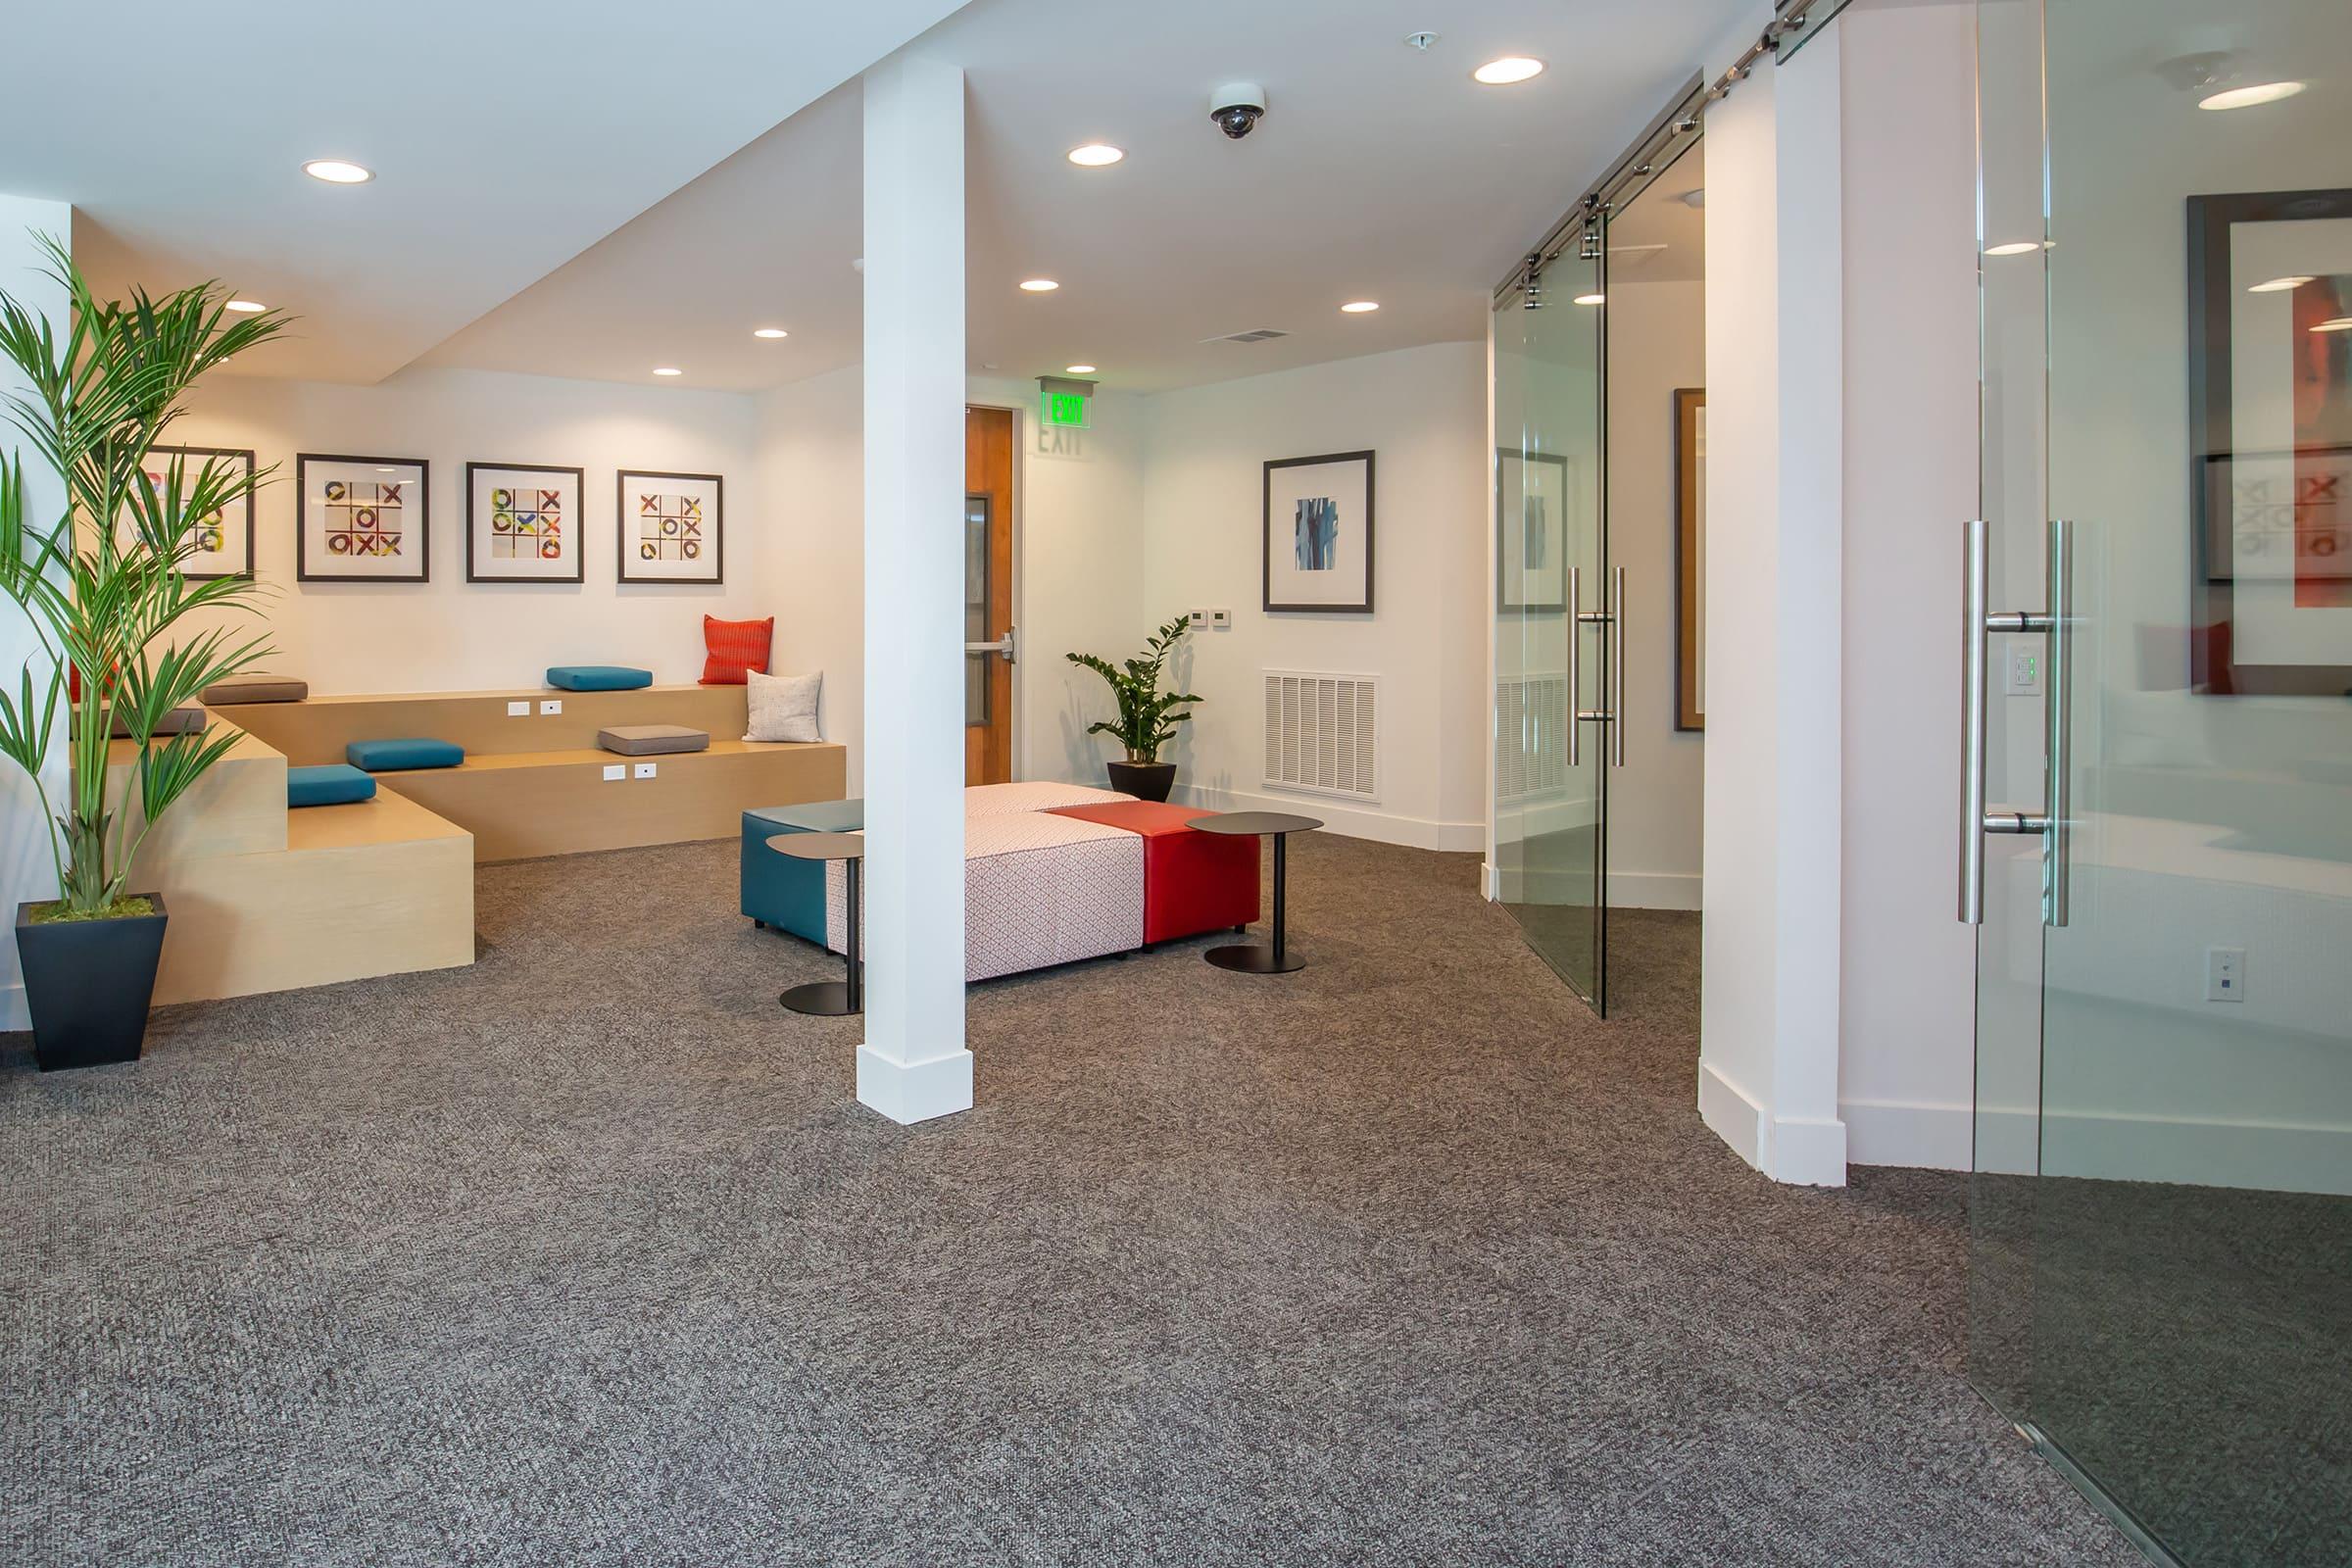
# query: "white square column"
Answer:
x=913 y=1064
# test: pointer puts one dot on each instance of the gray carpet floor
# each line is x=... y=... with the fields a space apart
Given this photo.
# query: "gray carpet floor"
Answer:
x=587 y=1255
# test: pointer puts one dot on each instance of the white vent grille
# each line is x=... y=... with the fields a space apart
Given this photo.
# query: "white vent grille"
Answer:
x=1257 y=334
x=1323 y=733
x=1531 y=737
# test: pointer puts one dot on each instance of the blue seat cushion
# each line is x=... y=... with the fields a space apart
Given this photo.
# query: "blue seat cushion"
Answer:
x=598 y=678
x=330 y=784
x=399 y=756
x=782 y=892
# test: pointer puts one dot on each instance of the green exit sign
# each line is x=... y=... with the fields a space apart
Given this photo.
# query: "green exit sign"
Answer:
x=1066 y=410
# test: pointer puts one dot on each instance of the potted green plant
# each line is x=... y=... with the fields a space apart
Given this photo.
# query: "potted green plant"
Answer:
x=1147 y=717
x=103 y=588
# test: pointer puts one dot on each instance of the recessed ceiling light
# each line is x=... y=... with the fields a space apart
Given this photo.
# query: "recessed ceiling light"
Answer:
x=1591 y=299
x=245 y=307
x=1080 y=369
x=1039 y=285
x=1509 y=69
x=2266 y=92
x=337 y=171
x=2342 y=324
x=770 y=331
x=1096 y=155
x=2279 y=285
x=2015 y=247
x=667 y=369
x=1360 y=306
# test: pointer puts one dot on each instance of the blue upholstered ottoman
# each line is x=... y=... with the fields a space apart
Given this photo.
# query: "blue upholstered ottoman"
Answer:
x=782 y=892
x=598 y=678
x=332 y=784
x=399 y=756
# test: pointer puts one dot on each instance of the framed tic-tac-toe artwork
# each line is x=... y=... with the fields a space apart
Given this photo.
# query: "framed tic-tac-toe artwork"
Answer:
x=223 y=539
x=522 y=523
x=361 y=519
x=673 y=526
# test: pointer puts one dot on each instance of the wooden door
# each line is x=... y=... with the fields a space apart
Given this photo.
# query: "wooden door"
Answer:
x=988 y=592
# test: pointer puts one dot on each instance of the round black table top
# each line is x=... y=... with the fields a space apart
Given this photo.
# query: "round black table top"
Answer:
x=820 y=846
x=1251 y=825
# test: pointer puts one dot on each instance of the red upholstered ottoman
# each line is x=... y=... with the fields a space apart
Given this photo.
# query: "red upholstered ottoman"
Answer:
x=1192 y=882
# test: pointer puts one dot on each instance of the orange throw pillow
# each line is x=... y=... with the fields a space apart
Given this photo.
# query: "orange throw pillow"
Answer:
x=733 y=647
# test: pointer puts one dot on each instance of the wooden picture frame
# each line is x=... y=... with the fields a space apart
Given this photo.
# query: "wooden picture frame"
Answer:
x=1348 y=481
x=649 y=546
x=336 y=517
x=483 y=529
x=1689 y=557
x=243 y=455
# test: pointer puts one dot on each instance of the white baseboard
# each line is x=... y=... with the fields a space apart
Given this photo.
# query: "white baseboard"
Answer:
x=917 y=1090
x=1808 y=1152
x=1918 y=1134
x=1348 y=821
x=15 y=1016
x=2200 y=1152
x=1732 y=1114
x=1654 y=890
x=1797 y=1150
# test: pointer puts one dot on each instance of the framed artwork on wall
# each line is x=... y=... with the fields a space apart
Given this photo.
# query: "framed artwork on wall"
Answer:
x=2270 y=345
x=361 y=519
x=522 y=523
x=1318 y=535
x=673 y=526
x=1690 y=558
x=223 y=539
x=1531 y=530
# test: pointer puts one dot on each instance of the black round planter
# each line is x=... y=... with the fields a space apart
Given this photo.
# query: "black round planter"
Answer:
x=88 y=985
x=1146 y=781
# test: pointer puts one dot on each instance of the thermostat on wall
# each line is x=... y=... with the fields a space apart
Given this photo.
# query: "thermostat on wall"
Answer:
x=1221 y=618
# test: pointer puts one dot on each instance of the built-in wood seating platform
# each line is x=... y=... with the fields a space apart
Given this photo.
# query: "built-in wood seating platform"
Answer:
x=535 y=783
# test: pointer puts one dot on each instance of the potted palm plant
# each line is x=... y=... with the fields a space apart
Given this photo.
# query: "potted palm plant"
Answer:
x=104 y=588
x=1147 y=717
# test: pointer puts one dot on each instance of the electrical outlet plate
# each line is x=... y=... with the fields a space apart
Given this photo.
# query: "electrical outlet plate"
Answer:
x=646 y=769
x=550 y=704
x=2025 y=669
x=2224 y=974
x=616 y=770
x=518 y=710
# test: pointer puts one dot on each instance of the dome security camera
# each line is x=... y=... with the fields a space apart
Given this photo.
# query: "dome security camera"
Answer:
x=1237 y=108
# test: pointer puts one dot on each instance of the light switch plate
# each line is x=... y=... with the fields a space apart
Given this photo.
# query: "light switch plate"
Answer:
x=1200 y=618
x=1221 y=618
x=2025 y=669
x=2224 y=974
x=646 y=769
x=518 y=710
x=552 y=704
x=616 y=770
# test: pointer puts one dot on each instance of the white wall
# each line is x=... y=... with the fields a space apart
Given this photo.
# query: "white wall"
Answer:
x=1657 y=343
x=28 y=867
x=810 y=485
x=1423 y=412
x=451 y=635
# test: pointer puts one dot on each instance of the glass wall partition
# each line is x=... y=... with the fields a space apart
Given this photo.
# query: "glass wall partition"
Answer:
x=2160 y=642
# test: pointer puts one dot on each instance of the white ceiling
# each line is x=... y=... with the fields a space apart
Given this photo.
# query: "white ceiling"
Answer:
x=507 y=136
x=1380 y=172
x=1660 y=237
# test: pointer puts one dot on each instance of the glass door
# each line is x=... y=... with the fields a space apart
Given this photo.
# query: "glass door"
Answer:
x=1552 y=650
x=2161 y=694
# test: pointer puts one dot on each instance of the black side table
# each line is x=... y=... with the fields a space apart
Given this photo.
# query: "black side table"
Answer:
x=1244 y=957
x=829 y=999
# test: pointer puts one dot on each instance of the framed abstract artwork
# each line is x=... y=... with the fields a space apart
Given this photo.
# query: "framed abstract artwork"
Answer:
x=2270 y=344
x=1531 y=530
x=361 y=519
x=1318 y=535
x=522 y=523
x=223 y=539
x=1690 y=558
x=673 y=526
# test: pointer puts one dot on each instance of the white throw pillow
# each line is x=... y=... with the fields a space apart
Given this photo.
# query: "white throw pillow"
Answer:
x=783 y=707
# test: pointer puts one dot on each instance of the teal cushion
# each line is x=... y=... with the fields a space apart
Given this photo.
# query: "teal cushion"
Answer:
x=332 y=784
x=598 y=678
x=399 y=756
x=778 y=890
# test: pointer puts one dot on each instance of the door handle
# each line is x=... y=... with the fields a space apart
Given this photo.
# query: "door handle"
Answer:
x=1575 y=646
x=1613 y=617
x=1009 y=644
x=1977 y=624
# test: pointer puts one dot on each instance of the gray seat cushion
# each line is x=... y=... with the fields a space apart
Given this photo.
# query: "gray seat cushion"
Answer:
x=652 y=740
x=188 y=720
x=256 y=689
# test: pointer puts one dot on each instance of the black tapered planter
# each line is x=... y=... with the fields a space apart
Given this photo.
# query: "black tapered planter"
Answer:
x=1146 y=781
x=88 y=985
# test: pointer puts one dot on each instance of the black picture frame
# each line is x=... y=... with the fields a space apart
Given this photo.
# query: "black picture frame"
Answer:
x=423 y=528
x=251 y=465
x=579 y=558
x=624 y=554
x=2214 y=667
x=1502 y=597
x=1266 y=536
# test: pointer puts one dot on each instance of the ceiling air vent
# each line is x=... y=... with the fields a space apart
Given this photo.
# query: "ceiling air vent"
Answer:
x=1259 y=334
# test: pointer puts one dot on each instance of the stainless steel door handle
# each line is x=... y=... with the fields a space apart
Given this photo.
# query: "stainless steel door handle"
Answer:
x=1009 y=644
x=1617 y=667
x=1576 y=671
x=1976 y=626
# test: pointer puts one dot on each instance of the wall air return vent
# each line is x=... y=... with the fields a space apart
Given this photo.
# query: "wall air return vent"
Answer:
x=1258 y=334
x=1531 y=737
x=1323 y=733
